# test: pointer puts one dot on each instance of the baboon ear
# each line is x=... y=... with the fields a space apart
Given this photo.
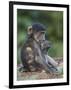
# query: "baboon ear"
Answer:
x=30 y=30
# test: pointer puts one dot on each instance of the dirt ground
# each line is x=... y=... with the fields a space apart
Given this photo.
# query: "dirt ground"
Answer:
x=40 y=74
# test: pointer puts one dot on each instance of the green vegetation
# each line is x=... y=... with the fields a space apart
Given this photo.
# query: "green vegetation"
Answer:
x=56 y=50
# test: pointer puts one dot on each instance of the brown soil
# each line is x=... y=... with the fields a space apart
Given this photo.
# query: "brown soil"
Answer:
x=40 y=74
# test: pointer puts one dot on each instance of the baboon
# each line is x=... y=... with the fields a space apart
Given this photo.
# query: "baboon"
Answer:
x=34 y=55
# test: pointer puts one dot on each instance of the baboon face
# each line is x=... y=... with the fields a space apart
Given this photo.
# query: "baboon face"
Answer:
x=39 y=36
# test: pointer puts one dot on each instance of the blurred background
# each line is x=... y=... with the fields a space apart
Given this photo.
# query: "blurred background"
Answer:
x=53 y=21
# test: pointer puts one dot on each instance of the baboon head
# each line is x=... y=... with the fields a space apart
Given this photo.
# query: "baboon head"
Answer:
x=38 y=30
